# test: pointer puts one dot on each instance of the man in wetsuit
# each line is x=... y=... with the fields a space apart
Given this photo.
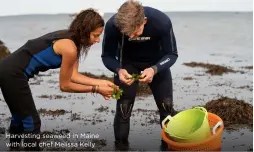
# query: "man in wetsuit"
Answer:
x=139 y=39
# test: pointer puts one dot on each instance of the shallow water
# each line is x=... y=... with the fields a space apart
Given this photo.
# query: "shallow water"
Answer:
x=217 y=38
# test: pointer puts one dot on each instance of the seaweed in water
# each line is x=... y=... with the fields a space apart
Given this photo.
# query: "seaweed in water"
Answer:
x=248 y=67
x=187 y=78
x=231 y=111
x=56 y=112
x=212 y=68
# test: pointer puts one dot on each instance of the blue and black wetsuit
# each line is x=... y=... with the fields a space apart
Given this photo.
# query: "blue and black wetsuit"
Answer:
x=155 y=48
x=15 y=70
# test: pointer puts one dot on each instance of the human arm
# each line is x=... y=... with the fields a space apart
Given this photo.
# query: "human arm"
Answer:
x=85 y=80
x=169 y=48
x=110 y=47
x=67 y=49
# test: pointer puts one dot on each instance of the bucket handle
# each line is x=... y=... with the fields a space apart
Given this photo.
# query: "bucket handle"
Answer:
x=164 y=121
x=219 y=124
x=201 y=108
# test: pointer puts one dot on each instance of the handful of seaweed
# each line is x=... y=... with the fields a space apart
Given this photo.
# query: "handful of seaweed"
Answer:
x=231 y=111
x=117 y=94
x=136 y=77
x=143 y=89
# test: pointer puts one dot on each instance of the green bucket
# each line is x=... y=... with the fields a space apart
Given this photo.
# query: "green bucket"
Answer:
x=188 y=126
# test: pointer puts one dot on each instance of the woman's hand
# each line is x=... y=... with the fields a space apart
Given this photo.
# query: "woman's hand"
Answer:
x=106 y=83
x=106 y=91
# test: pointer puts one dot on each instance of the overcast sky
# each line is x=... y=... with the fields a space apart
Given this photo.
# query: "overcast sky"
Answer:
x=16 y=7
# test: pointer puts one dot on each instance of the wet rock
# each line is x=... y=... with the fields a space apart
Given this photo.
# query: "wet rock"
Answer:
x=231 y=111
x=212 y=68
x=4 y=51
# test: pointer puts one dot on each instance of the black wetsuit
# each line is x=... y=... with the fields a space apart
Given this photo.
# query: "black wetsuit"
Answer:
x=15 y=71
x=155 y=48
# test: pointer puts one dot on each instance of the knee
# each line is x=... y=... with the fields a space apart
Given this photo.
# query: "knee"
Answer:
x=124 y=110
x=166 y=106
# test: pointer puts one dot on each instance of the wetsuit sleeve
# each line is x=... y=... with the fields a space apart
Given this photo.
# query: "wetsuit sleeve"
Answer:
x=109 y=48
x=169 y=47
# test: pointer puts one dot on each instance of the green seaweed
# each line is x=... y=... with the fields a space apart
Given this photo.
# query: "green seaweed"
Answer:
x=135 y=77
x=117 y=94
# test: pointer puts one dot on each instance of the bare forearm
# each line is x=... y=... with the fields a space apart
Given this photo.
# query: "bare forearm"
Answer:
x=76 y=88
x=82 y=79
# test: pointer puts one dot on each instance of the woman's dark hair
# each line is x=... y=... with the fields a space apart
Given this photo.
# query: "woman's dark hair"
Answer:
x=84 y=23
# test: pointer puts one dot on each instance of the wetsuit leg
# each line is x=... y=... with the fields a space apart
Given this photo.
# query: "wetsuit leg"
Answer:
x=25 y=118
x=162 y=90
x=124 y=108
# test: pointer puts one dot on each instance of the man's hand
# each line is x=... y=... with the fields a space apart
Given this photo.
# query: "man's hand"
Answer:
x=147 y=76
x=125 y=77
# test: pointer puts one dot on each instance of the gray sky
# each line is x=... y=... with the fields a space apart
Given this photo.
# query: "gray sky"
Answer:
x=16 y=7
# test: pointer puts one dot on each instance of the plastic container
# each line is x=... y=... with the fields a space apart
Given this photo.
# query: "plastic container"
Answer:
x=212 y=143
x=188 y=126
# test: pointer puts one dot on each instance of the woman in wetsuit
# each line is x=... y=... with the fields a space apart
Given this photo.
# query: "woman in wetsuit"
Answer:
x=59 y=49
